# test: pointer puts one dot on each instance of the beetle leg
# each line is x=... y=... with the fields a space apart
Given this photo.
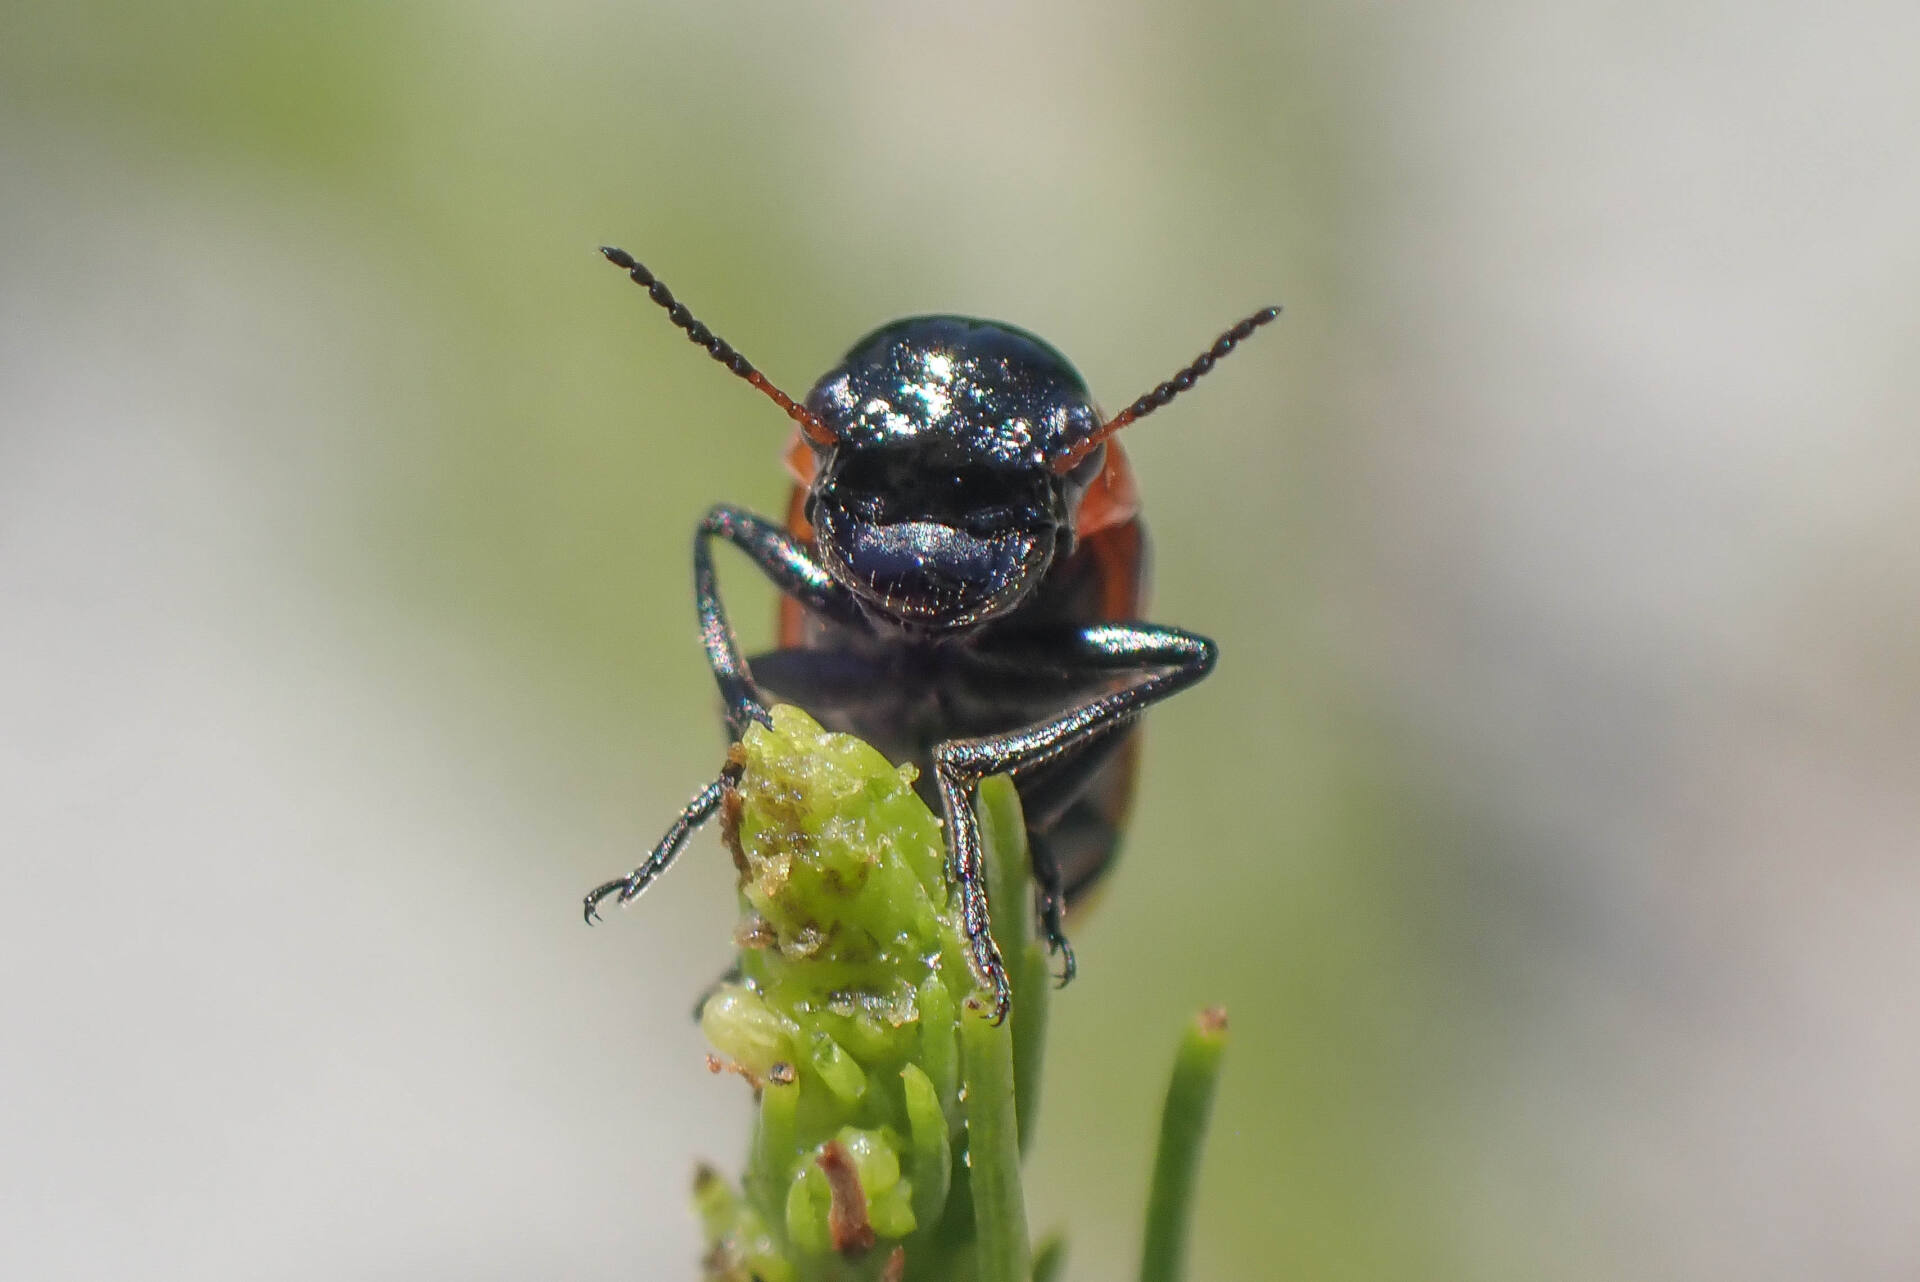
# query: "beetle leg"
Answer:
x=783 y=559
x=1182 y=658
x=698 y=811
x=786 y=561
x=1053 y=904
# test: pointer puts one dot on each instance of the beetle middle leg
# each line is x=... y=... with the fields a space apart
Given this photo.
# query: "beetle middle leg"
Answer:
x=1073 y=827
x=1181 y=659
x=1048 y=882
x=787 y=562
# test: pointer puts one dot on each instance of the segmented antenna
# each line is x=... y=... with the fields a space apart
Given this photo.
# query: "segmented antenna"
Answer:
x=1160 y=395
x=717 y=347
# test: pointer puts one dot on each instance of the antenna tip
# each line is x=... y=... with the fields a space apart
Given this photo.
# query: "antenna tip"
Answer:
x=618 y=257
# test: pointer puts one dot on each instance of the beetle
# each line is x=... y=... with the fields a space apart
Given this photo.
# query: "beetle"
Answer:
x=961 y=567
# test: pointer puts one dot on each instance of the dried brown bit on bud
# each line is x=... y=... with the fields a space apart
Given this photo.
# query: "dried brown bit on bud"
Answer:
x=847 y=1222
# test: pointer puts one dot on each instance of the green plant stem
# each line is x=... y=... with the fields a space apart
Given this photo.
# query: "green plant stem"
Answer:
x=993 y=1151
x=1183 y=1127
x=1050 y=1259
x=1009 y=865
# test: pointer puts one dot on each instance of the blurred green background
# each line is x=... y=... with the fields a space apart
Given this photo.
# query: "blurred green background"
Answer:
x=1547 y=829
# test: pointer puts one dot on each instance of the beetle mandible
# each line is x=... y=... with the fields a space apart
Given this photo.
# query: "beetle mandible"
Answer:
x=961 y=568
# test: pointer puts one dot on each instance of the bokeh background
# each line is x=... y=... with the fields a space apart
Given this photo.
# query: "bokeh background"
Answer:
x=1549 y=827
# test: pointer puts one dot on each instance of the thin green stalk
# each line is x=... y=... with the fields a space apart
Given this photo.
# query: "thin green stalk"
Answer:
x=1003 y=829
x=1003 y=834
x=1183 y=1127
x=1050 y=1259
x=993 y=1151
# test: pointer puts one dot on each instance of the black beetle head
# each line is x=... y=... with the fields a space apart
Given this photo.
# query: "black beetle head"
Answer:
x=949 y=455
x=940 y=504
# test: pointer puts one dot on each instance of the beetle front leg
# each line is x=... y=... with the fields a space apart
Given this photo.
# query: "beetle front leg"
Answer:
x=697 y=812
x=789 y=564
x=1182 y=658
x=784 y=560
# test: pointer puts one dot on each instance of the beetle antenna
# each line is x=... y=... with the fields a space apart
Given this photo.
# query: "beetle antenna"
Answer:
x=717 y=347
x=1160 y=395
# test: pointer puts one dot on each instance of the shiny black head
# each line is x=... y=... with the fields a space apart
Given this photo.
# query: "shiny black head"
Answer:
x=938 y=502
x=950 y=456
